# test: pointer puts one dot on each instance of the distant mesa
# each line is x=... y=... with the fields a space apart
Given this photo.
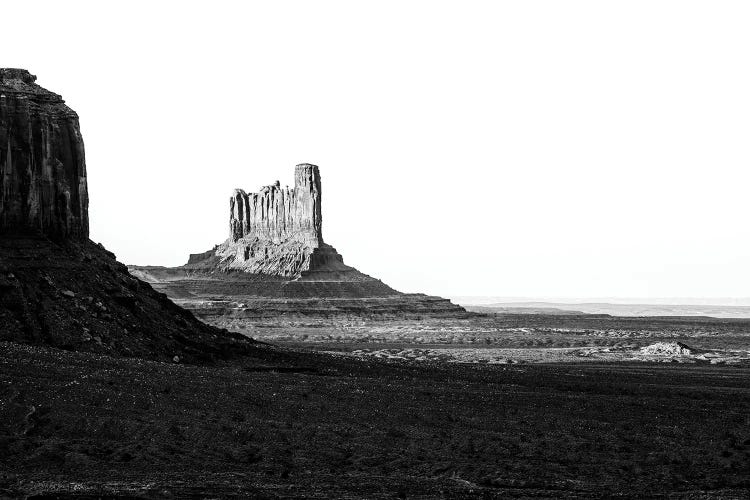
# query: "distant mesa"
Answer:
x=275 y=250
x=277 y=232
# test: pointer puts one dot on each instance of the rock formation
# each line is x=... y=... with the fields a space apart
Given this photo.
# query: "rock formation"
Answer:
x=275 y=214
x=276 y=264
x=42 y=165
x=57 y=287
x=278 y=231
x=667 y=349
x=275 y=230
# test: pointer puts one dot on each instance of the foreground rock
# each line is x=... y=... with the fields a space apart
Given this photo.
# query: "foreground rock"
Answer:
x=275 y=264
x=42 y=164
x=56 y=286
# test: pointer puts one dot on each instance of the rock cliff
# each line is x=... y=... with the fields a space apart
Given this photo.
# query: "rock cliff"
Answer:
x=276 y=230
x=57 y=288
x=42 y=162
x=276 y=214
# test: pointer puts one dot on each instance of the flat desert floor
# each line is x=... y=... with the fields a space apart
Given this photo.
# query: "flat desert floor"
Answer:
x=410 y=412
x=520 y=338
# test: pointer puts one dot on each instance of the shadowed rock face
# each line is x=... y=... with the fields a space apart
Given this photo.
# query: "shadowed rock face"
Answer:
x=57 y=288
x=42 y=163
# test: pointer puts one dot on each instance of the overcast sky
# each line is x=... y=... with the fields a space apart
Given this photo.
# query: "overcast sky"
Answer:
x=530 y=148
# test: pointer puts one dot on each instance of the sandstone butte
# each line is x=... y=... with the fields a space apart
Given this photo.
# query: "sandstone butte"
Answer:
x=42 y=161
x=58 y=288
x=276 y=263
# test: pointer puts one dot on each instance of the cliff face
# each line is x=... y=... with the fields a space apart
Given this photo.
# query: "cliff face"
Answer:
x=57 y=288
x=276 y=231
x=42 y=163
x=278 y=214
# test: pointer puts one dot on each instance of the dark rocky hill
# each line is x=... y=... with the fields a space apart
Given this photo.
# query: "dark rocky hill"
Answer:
x=57 y=287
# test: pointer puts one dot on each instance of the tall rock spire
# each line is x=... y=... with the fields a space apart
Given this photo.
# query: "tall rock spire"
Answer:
x=307 y=189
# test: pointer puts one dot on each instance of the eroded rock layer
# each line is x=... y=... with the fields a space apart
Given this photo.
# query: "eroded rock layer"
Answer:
x=42 y=163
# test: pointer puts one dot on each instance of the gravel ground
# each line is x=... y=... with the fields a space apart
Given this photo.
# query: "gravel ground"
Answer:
x=296 y=424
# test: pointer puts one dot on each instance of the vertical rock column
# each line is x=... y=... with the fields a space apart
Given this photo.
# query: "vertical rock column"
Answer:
x=237 y=210
x=42 y=163
x=307 y=188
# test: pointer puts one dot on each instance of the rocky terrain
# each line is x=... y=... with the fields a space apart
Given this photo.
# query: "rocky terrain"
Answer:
x=660 y=352
x=80 y=425
x=275 y=264
x=521 y=338
x=57 y=288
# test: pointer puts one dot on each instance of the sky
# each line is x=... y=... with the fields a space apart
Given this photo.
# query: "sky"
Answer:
x=511 y=149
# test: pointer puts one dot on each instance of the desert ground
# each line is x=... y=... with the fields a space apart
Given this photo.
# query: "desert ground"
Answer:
x=513 y=338
x=515 y=409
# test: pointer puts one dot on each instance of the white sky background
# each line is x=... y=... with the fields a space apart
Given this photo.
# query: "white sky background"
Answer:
x=537 y=149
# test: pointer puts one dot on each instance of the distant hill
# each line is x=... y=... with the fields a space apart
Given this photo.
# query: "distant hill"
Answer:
x=501 y=309
x=559 y=308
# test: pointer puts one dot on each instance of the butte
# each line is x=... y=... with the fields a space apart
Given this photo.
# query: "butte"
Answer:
x=276 y=265
x=57 y=287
